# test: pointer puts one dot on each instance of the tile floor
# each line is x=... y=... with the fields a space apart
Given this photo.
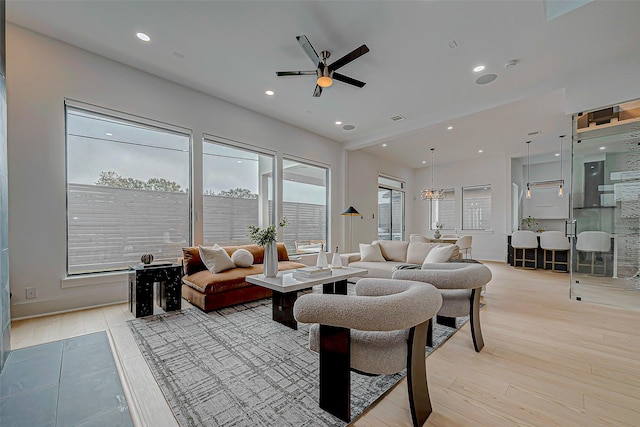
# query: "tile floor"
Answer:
x=71 y=382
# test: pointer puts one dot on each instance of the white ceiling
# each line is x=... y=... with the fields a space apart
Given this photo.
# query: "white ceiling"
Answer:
x=231 y=50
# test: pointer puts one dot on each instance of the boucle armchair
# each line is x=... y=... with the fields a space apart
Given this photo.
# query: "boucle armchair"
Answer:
x=460 y=285
x=380 y=330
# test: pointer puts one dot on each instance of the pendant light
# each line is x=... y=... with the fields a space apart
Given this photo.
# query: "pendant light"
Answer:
x=528 y=172
x=432 y=193
x=561 y=187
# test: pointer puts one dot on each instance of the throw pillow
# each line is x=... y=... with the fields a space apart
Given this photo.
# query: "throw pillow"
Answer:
x=192 y=261
x=216 y=259
x=242 y=258
x=439 y=254
x=393 y=250
x=419 y=238
x=371 y=253
x=418 y=251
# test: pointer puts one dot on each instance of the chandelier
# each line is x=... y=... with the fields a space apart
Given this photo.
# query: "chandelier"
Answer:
x=432 y=193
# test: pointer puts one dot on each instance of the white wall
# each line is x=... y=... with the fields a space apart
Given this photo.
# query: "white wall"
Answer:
x=41 y=73
x=545 y=203
x=362 y=193
x=493 y=170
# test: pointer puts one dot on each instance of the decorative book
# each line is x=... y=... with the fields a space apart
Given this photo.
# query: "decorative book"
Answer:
x=311 y=272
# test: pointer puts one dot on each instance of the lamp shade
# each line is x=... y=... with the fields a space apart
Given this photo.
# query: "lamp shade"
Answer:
x=350 y=211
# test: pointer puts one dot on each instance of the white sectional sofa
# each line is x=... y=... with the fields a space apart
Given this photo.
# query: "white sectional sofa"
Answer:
x=395 y=253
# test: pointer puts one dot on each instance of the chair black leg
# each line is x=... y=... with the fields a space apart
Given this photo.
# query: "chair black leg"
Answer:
x=474 y=314
x=335 y=371
x=419 y=400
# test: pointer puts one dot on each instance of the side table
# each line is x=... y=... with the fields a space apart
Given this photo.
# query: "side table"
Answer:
x=141 y=280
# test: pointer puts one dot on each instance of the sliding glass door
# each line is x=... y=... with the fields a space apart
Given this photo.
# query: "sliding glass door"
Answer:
x=390 y=214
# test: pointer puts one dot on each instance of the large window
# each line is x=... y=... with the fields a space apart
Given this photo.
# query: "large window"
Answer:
x=476 y=208
x=304 y=203
x=127 y=191
x=390 y=209
x=237 y=192
x=443 y=211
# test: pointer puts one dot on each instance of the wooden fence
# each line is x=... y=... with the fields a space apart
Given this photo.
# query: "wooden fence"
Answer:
x=111 y=228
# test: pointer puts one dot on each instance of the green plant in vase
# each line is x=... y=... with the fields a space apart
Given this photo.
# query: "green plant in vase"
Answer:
x=529 y=222
x=439 y=226
x=267 y=238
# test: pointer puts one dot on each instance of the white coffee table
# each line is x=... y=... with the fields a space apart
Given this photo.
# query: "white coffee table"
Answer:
x=285 y=289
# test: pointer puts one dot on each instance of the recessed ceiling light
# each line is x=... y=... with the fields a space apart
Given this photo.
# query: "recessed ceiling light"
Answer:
x=338 y=122
x=270 y=92
x=478 y=68
x=424 y=161
x=480 y=151
x=109 y=134
x=144 y=37
x=450 y=127
x=602 y=148
x=384 y=145
x=239 y=161
x=348 y=127
x=557 y=154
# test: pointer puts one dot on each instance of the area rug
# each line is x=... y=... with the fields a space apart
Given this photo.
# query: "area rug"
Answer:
x=237 y=367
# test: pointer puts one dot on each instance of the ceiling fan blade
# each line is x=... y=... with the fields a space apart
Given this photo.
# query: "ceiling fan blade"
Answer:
x=308 y=48
x=317 y=92
x=354 y=54
x=295 y=73
x=348 y=80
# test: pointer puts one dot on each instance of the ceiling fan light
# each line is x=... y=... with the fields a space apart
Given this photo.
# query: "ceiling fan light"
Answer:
x=324 y=78
x=324 y=81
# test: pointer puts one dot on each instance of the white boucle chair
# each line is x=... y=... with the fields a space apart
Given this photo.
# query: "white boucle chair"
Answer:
x=460 y=285
x=380 y=330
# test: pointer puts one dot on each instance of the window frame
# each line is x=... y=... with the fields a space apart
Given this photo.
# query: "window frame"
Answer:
x=267 y=219
x=487 y=187
x=431 y=210
x=135 y=120
x=327 y=168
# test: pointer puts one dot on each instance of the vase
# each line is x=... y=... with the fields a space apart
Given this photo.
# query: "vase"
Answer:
x=322 y=259
x=437 y=234
x=336 y=262
x=270 y=262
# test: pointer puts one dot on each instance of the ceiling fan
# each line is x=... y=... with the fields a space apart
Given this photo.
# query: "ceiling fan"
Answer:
x=325 y=74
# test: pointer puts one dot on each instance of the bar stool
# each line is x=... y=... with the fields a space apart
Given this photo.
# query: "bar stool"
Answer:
x=555 y=241
x=524 y=239
x=593 y=241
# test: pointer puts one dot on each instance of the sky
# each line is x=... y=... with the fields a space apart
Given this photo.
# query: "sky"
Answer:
x=96 y=144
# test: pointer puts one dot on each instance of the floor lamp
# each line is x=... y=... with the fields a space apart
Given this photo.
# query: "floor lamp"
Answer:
x=350 y=211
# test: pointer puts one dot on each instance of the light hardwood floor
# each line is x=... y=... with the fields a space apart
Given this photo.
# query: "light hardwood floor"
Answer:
x=547 y=361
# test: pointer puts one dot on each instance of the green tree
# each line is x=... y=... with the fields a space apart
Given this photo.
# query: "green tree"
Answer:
x=114 y=179
x=238 y=193
x=161 y=184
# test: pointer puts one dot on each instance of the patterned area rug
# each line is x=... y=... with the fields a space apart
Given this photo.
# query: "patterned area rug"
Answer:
x=237 y=367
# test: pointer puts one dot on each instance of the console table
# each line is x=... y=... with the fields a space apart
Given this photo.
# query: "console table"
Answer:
x=141 y=280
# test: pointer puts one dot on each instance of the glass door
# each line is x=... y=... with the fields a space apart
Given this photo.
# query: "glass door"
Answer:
x=390 y=214
x=605 y=254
